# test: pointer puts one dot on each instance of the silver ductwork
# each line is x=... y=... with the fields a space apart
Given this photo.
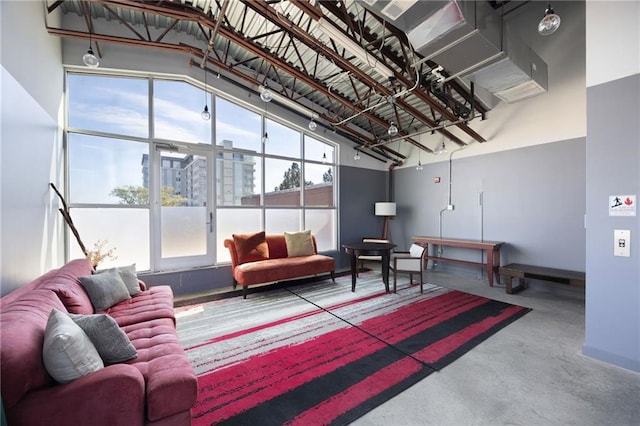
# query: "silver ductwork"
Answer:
x=469 y=40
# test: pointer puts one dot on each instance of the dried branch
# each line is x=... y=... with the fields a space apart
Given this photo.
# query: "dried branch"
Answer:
x=67 y=218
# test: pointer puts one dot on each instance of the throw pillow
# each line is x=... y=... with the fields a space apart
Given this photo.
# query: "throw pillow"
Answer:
x=251 y=247
x=110 y=341
x=67 y=351
x=128 y=275
x=105 y=290
x=299 y=243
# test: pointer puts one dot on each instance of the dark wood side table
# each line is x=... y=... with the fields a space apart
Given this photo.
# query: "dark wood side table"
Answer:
x=491 y=248
x=369 y=249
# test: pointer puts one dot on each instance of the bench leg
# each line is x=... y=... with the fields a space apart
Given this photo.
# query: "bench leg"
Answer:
x=333 y=276
x=510 y=289
x=245 y=291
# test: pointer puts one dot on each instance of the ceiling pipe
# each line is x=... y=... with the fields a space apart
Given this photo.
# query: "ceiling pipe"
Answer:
x=209 y=48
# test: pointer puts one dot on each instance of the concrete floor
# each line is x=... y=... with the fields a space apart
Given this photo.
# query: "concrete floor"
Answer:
x=530 y=373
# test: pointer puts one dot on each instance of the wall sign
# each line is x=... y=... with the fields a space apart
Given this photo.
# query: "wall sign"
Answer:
x=622 y=205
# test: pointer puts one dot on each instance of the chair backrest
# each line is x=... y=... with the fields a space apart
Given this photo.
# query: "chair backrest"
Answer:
x=416 y=250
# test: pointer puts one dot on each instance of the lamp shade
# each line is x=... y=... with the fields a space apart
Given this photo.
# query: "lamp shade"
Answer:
x=385 y=209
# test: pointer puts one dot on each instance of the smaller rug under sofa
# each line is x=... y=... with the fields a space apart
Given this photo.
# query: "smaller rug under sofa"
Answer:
x=141 y=375
x=260 y=258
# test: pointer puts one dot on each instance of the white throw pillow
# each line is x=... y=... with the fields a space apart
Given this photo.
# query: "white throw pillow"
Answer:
x=67 y=351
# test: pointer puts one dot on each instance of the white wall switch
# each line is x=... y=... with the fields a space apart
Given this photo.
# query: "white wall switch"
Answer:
x=622 y=242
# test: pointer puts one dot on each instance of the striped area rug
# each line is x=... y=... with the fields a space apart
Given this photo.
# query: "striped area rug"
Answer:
x=321 y=354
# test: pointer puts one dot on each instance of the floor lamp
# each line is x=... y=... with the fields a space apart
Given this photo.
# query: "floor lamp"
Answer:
x=387 y=210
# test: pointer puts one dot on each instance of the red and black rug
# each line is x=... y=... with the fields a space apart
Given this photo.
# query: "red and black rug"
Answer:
x=320 y=354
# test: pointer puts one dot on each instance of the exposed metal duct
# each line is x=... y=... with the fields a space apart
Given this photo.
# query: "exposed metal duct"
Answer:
x=469 y=40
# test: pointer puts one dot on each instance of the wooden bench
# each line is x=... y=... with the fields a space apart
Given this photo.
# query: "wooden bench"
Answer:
x=520 y=271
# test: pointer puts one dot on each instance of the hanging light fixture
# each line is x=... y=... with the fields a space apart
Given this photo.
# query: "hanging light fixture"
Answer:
x=89 y=58
x=419 y=166
x=265 y=93
x=356 y=156
x=312 y=125
x=550 y=22
x=443 y=148
x=205 y=114
x=392 y=130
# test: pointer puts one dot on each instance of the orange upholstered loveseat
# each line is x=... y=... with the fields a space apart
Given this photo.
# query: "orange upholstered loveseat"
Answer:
x=264 y=258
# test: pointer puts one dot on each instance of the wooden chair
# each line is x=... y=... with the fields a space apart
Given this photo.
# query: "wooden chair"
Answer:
x=363 y=258
x=411 y=262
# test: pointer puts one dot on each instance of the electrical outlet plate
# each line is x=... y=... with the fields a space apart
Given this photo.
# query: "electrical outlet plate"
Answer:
x=622 y=242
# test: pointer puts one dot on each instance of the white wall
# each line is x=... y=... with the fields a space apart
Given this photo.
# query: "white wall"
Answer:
x=30 y=145
x=613 y=29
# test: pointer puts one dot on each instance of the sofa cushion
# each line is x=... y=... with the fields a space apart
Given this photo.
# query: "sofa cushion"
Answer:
x=171 y=383
x=110 y=341
x=66 y=285
x=251 y=247
x=282 y=269
x=105 y=290
x=22 y=325
x=157 y=302
x=299 y=243
x=67 y=351
x=129 y=277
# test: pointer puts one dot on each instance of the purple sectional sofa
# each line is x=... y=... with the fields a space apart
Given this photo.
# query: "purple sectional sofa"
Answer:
x=158 y=387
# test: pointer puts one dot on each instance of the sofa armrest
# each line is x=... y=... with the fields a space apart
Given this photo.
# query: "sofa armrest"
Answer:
x=143 y=285
x=228 y=243
x=114 y=395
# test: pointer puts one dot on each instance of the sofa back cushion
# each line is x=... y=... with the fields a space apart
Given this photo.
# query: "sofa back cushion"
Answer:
x=251 y=247
x=277 y=246
x=23 y=323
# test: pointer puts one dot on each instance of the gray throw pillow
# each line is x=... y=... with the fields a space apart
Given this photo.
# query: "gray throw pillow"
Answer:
x=67 y=351
x=105 y=290
x=129 y=276
x=112 y=343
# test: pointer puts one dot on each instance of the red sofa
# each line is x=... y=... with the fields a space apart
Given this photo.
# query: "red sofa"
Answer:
x=159 y=387
x=278 y=266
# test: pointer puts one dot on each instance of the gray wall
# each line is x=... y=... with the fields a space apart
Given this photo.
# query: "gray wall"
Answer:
x=532 y=198
x=359 y=191
x=613 y=283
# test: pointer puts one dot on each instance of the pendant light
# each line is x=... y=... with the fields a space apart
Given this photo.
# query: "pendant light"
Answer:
x=550 y=22
x=419 y=166
x=265 y=93
x=356 y=156
x=205 y=114
x=442 y=149
x=312 y=125
x=89 y=58
x=392 y=130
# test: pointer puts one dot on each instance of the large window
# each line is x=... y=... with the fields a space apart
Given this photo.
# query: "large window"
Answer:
x=145 y=179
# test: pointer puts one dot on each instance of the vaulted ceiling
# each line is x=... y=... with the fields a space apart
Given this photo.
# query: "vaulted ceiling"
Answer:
x=291 y=47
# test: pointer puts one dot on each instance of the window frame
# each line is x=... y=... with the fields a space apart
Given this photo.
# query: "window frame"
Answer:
x=214 y=149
